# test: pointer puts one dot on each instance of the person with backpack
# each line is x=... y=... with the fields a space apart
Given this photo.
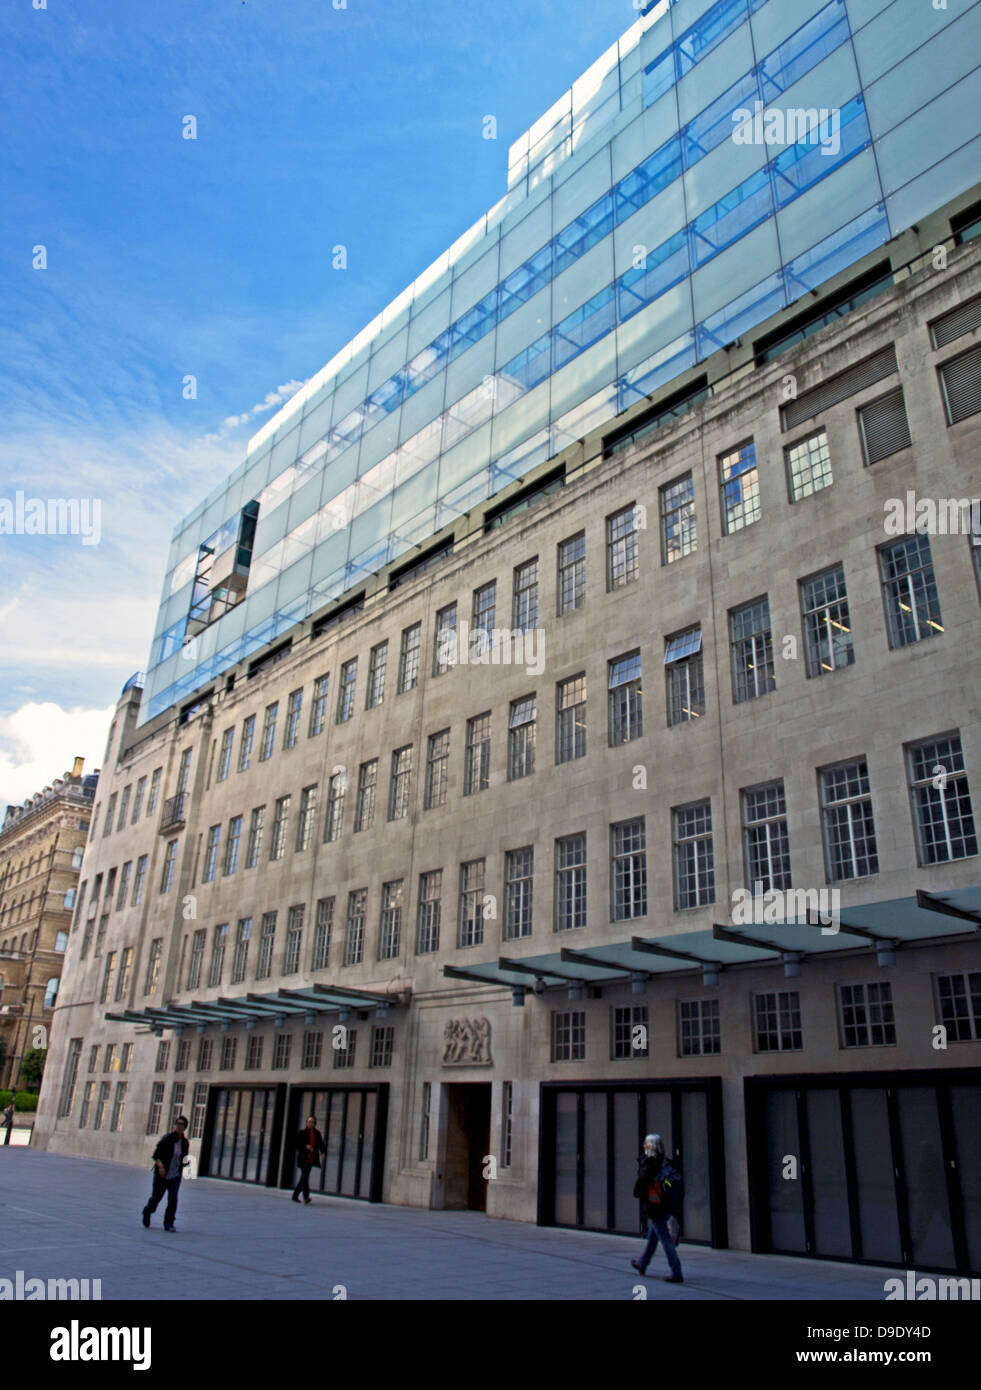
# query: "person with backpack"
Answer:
x=660 y=1188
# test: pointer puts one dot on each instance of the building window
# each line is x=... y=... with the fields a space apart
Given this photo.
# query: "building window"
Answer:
x=71 y=1077
x=211 y=854
x=626 y=699
x=437 y=768
x=525 y=610
x=137 y=811
x=245 y=747
x=628 y=869
x=444 y=640
x=572 y=573
x=740 y=487
x=253 y=1052
x=570 y=719
x=959 y=998
x=240 y=956
x=118 y=1107
x=622 y=563
x=866 y=1015
x=365 y=810
x=110 y=813
x=678 y=533
x=198 y=942
x=399 y=789
x=569 y=1036
x=483 y=618
x=377 y=665
x=570 y=883
x=521 y=738
x=307 y=819
x=206 y=1049
x=507 y=1122
x=163 y=1056
x=269 y=732
x=345 y=694
x=778 y=1021
x=176 y=1101
x=199 y=1108
x=694 y=866
x=910 y=591
x=849 y=828
x=808 y=466
x=322 y=933
x=698 y=1025
x=229 y=1048
x=277 y=844
x=255 y=837
x=123 y=807
x=225 y=755
x=472 y=903
x=427 y=1093
x=283 y=1046
x=766 y=844
x=170 y=860
x=519 y=876
x=960 y=382
x=477 y=773
x=123 y=886
x=125 y=968
x=294 y=705
x=313 y=1045
x=883 y=426
x=152 y=980
x=430 y=896
x=100 y=1105
x=382 y=1042
x=318 y=710
x=344 y=1056
x=183 y=1059
x=154 y=796
x=827 y=625
x=267 y=936
x=684 y=677
x=218 y=954
x=108 y=973
x=294 y=939
x=109 y=1058
x=629 y=1032
x=751 y=644
x=94 y=1058
x=943 y=818
x=390 y=933
x=83 y=1115
x=409 y=658
x=357 y=902
x=232 y=843
x=335 y=806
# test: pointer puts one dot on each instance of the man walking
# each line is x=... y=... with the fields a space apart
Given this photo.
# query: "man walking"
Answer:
x=8 y=1119
x=168 y=1163
x=309 y=1146
x=660 y=1187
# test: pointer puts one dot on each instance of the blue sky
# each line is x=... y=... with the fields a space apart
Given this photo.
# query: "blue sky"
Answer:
x=212 y=257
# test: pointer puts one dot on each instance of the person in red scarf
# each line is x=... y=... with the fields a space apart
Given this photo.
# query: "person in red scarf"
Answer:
x=309 y=1146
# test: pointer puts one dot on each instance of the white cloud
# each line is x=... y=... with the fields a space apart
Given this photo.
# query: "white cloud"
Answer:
x=272 y=399
x=40 y=742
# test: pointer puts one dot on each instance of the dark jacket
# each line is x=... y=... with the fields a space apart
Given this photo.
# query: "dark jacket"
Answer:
x=165 y=1149
x=653 y=1170
x=303 y=1147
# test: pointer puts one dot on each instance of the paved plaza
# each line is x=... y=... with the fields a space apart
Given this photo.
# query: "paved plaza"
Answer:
x=66 y=1217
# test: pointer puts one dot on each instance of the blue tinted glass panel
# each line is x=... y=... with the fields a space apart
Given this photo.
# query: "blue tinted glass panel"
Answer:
x=826 y=149
x=658 y=77
x=749 y=309
x=715 y=25
x=666 y=265
x=842 y=248
x=531 y=365
x=713 y=125
x=732 y=217
x=641 y=184
x=525 y=282
x=583 y=326
x=587 y=229
x=821 y=35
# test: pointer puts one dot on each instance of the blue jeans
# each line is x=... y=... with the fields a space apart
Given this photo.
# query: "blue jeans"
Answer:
x=170 y=1186
x=658 y=1231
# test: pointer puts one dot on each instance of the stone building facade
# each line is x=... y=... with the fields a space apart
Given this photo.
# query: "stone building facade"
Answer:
x=482 y=904
x=41 y=849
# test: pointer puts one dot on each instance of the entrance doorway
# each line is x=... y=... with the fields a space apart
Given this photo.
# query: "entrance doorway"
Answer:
x=468 y=1109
